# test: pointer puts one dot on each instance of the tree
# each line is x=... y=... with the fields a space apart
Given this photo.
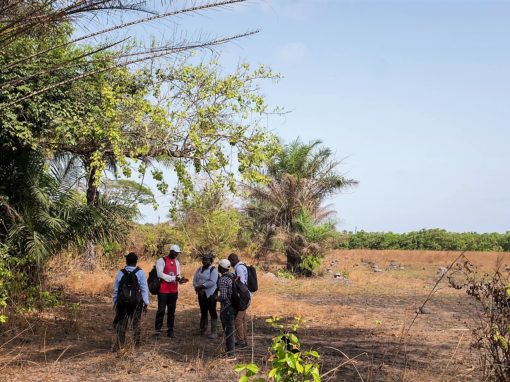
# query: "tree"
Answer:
x=208 y=222
x=191 y=117
x=43 y=213
x=300 y=177
x=24 y=20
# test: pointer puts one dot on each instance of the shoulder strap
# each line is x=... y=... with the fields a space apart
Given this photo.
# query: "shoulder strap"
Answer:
x=124 y=272
x=135 y=270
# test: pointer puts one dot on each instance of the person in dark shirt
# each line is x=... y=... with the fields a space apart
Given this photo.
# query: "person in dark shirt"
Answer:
x=227 y=311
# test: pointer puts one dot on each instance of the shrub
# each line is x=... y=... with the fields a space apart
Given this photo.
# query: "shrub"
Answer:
x=492 y=336
x=426 y=239
x=289 y=362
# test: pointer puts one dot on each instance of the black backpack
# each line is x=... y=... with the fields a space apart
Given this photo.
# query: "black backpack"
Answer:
x=241 y=296
x=129 y=293
x=154 y=282
x=252 y=282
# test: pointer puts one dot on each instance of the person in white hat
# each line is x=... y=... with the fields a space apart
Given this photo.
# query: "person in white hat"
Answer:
x=227 y=311
x=169 y=272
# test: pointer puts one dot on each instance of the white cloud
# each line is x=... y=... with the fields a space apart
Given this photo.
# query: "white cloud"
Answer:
x=292 y=53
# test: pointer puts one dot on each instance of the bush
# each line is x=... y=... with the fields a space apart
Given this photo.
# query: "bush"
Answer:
x=492 y=336
x=426 y=239
x=289 y=362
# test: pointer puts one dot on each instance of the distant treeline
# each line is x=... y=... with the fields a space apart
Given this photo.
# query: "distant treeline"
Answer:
x=426 y=239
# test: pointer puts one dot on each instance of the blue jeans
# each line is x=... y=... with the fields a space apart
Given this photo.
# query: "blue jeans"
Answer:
x=227 y=316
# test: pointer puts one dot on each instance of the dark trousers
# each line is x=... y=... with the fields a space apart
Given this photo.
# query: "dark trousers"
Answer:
x=166 y=300
x=207 y=306
x=124 y=314
x=227 y=316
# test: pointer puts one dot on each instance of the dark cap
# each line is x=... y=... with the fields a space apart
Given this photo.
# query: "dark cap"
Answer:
x=131 y=257
x=208 y=255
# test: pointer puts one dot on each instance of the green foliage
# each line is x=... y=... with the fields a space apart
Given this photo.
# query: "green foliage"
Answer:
x=208 y=222
x=301 y=177
x=311 y=230
x=285 y=274
x=310 y=264
x=157 y=238
x=289 y=362
x=43 y=214
x=431 y=239
x=5 y=278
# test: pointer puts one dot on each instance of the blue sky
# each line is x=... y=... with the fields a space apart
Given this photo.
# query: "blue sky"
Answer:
x=414 y=95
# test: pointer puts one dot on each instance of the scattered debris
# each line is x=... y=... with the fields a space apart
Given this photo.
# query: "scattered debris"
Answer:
x=441 y=271
x=394 y=266
x=339 y=277
x=423 y=310
x=375 y=268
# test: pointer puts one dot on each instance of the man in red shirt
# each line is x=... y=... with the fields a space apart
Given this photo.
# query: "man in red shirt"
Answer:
x=169 y=271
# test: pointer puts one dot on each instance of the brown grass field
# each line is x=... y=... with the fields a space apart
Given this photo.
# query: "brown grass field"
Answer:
x=363 y=319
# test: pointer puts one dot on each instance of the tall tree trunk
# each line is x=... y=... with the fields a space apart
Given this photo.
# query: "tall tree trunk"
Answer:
x=89 y=257
x=294 y=247
x=266 y=245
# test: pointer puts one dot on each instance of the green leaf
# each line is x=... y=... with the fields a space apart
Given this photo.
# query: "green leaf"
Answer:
x=240 y=367
x=291 y=361
x=253 y=368
x=243 y=378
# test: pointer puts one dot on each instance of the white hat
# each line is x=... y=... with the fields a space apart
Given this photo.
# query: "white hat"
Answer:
x=175 y=248
x=224 y=263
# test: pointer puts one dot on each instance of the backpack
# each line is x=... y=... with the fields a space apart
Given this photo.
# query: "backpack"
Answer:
x=129 y=289
x=252 y=282
x=241 y=296
x=154 y=281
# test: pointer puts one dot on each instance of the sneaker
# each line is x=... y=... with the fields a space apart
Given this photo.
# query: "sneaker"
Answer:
x=157 y=334
x=241 y=345
x=170 y=334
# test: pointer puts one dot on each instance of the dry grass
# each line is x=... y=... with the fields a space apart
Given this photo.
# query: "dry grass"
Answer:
x=367 y=315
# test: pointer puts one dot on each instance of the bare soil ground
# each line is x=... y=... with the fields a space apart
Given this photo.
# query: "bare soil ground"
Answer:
x=364 y=318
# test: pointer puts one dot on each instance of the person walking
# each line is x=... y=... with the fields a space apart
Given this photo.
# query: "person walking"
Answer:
x=130 y=298
x=227 y=311
x=241 y=271
x=169 y=271
x=205 y=283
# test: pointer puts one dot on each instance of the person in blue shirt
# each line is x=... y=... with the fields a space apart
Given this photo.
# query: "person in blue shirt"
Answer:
x=129 y=309
x=205 y=283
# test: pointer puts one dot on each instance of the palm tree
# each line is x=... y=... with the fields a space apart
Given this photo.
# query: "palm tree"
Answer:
x=43 y=212
x=300 y=177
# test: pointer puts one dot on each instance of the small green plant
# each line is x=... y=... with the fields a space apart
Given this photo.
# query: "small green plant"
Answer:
x=250 y=370
x=284 y=274
x=289 y=362
x=310 y=264
x=344 y=273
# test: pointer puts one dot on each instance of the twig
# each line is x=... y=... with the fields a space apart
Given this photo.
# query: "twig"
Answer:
x=13 y=338
x=349 y=360
x=405 y=331
x=61 y=354
x=453 y=356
